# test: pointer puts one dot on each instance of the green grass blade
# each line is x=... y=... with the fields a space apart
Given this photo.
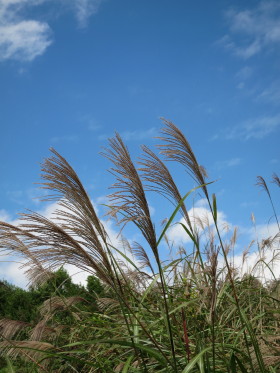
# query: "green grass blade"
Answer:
x=241 y=366
x=215 y=214
x=140 y=346
x=196 y=360
x=9 y=368
x=177 y=209
x=149 y=288
x=125 y=257
x=184 y=304
x=232 y=363
x=189 y=234
x=254 y=341
x=127 y=364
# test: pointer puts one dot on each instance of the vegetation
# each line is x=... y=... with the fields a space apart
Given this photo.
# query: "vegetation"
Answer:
x=193 y=313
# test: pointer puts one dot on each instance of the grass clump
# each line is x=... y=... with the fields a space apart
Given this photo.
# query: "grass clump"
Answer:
x=193 y=313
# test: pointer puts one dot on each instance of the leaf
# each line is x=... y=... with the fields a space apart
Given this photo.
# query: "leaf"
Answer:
x=10 y=368
x=241 y=366
x=184 y=304
x=140 y=346
x=215 y=214
x=196 y=359
x=127 y=364
x=125 y=257
x=189 y=233
x=254 y=341
x=177 y=209
x=149 y=288
x=232 y=363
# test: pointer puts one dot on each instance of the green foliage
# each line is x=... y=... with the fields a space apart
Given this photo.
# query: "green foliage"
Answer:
x=16 y=303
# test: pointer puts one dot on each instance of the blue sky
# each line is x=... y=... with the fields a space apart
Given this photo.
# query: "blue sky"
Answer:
x=73 y=72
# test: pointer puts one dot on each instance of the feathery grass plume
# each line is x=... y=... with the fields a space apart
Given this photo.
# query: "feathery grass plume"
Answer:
x=270 y=349
x=233 y=238
x=262 y=183
x=9 y=328
x=245 y=252
x=57 y=303
x=275 y=179
x=66 y=188
x=76 y=212
x=129 y=199
x=141 y=255
x=29 y=350
x=107 y=304
x=131 y=326
x=11 y=242
x=53 y=246
x=160 y=180
x=179 y=149
x=43 y=331
x=77 y=237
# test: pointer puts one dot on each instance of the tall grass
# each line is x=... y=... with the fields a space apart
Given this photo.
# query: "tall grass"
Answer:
x=192 y=313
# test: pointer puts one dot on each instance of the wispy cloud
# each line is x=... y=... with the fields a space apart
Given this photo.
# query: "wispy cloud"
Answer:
x=252 y=30
x=134 y=135
x=21 y=39
x=91 y=123
x=244 y=73
x=271 y=94
x=227 y=163
x=66 y=138
x=25 y=39
x=84 y=9
x=256 y=128
x=247 y=204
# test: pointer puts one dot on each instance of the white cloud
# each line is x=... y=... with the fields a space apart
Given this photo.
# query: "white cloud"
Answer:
x=256 y=128
x=253 y=263
x=84 y=9
x=4 y=216
x=25 y=39
x=199 y=215
x=263 y=231
x=253 y=30
x=12 y=272
x=21 y=39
